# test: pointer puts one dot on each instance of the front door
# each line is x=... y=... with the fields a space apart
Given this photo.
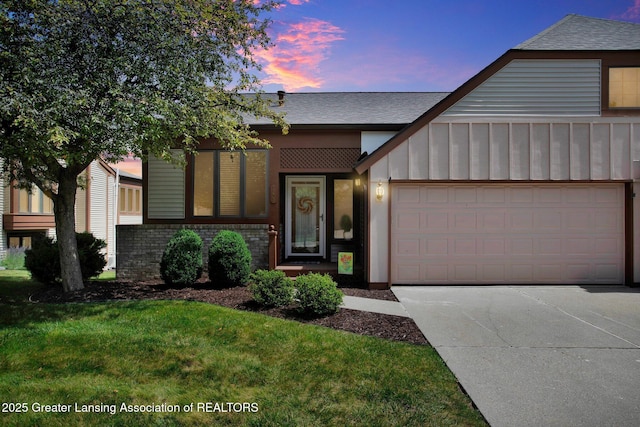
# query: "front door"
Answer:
x=305 y=216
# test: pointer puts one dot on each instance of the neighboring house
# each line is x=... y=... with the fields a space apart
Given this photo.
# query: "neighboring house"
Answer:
x=525 y=174
x=109 y=194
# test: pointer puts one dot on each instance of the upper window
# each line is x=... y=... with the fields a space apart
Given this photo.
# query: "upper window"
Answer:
x=230 y=184
x=130 y=201
x=624 y=87
x=34 y=202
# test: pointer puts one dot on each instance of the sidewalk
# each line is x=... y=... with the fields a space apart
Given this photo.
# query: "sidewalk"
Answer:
x=374 y=305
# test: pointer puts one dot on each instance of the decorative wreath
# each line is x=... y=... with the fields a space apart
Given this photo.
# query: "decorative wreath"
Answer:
x=305 y=204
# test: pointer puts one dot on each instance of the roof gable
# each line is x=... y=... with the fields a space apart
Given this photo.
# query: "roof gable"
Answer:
x=571 y=29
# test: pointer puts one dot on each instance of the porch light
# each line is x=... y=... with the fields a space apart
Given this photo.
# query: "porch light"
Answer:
x=379 y=191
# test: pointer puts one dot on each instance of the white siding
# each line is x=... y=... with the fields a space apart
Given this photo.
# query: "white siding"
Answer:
x=129 y=219
x=371 y=140
x=538 y=150
x=3 y=241
x=81 y=210
x=110 y=231
x=165 y=190
x=98 y=193
x=536 y=87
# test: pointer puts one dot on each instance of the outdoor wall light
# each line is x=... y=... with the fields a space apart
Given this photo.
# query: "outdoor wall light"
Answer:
x=379 y=191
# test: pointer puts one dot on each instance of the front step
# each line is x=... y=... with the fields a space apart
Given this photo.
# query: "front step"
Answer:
x=293 y=270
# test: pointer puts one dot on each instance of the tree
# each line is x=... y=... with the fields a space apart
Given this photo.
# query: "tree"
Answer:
x=82 y=79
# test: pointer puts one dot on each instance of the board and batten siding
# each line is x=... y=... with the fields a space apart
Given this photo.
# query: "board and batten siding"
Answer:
x=166 y=187
x=536 y=88
x=492 y=149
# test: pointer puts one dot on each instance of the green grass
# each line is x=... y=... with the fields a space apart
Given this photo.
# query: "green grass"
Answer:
x=181 y=352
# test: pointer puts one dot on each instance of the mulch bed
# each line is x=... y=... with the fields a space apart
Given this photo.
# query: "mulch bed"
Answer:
x=379 y=325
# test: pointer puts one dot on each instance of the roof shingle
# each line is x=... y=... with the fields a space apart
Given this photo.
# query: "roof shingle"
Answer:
x=352 y=108
x=576 y=32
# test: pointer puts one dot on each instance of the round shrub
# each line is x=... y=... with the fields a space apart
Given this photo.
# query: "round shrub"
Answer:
x=271 y=288
x=43 y=259
x=229 y=259
x=318 y=294
x=181 y=262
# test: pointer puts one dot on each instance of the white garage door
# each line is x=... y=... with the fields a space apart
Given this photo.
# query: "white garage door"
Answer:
x=501 y=234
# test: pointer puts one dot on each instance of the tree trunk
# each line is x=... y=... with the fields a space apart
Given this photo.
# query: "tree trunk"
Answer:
x=64 y=209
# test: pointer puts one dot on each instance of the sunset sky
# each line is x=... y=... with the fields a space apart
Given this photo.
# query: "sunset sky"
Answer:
x=406 y=45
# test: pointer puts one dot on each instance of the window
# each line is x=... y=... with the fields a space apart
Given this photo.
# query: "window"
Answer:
x=343 y=209
x=34 y=202
x=624 y=87
x=130 y=201
x=230 y=184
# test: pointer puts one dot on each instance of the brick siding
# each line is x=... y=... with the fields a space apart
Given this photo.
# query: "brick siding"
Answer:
x=139 y=247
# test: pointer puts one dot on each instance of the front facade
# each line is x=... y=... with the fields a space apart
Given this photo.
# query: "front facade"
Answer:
x=304 y=188
x=525 y=174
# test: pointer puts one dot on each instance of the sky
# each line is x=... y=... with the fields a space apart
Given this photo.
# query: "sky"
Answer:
x=406 y=45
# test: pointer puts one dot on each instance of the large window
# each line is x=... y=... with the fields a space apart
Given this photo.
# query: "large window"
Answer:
x=34 y=202
x=624 y=87
x=230 y=184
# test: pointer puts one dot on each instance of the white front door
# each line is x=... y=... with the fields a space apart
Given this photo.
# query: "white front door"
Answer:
x=305 y=214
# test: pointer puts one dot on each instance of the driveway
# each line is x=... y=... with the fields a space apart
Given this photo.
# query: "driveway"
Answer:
x=538 y=356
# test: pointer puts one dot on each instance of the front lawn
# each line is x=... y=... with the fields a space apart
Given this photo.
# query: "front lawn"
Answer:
x=147 y=362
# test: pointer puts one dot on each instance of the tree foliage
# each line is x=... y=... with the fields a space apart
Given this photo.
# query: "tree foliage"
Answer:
x=82 y=79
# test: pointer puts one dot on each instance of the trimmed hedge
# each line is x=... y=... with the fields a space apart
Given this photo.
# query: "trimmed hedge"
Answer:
x=229 y=259
x=181 y=262
x=318 y=294
x=271 y=288
x=43 y=259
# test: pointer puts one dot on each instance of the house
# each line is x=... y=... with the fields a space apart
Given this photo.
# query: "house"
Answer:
x=524 y=174
x=304 y=186
x=109 y=193
x=527 y=173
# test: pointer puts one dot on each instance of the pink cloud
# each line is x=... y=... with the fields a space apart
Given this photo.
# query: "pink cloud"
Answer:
x=632 y=13
x=298 y=51
x=393 y=68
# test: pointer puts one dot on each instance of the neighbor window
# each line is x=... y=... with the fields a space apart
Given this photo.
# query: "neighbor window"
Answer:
x=624 y=87
x=230 y=184
x=34 y=202
x=130 y=201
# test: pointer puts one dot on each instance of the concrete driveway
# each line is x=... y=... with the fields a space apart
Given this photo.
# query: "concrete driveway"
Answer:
x=538 y=356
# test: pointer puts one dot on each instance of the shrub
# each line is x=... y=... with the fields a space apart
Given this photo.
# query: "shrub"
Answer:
x=271 y=288
x=43 y=259
x=13 y=259
x=318 y=294
x=229 y=259
x=181 y=262
x=92 y=259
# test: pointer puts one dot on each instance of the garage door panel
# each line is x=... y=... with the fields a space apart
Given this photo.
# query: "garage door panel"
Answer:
x=488 y=234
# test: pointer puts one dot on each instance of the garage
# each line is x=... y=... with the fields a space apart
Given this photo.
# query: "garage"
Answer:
x=507 y=233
